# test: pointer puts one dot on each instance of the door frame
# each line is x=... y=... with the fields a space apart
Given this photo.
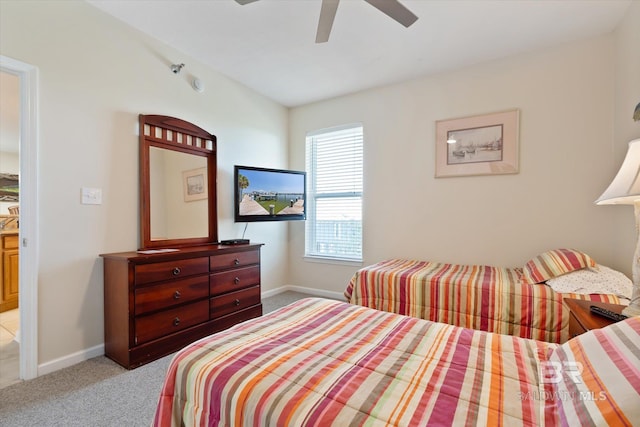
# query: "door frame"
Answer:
x=28 y=264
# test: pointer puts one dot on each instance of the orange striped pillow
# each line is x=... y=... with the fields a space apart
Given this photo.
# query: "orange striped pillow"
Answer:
x=555 y=263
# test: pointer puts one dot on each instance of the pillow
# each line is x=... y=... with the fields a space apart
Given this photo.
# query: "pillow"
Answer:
x=604 y=280
x=594 y=377
x=554 y=263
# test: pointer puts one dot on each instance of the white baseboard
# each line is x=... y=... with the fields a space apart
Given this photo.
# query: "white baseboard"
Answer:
x=70 y=360
x=90 y=353
x=310 y=291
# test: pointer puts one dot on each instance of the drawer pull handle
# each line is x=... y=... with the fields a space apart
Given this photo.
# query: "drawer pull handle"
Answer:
x=236 y=261
x=176 y=271
x=176 y=321
x=177 y=295
x=237 y=302
x=236 y=280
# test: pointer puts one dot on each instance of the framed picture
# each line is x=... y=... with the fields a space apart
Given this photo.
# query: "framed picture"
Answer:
x=9 y=187
x=478 y=145
x=194 y=183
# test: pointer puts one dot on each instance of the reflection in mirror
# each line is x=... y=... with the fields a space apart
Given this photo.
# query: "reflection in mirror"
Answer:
x=178 y=195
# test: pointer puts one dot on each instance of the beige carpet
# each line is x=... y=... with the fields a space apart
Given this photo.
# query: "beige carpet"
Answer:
x=97 y=392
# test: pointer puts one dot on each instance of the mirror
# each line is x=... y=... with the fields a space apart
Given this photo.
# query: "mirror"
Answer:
x=178 y=190
x=177 y=177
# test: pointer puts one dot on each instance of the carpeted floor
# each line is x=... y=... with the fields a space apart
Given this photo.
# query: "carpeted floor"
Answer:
x=97 y=392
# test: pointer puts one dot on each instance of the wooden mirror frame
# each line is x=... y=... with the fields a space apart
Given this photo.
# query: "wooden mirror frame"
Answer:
x=175 y=134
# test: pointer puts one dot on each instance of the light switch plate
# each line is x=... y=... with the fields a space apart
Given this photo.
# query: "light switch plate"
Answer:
x=91 y=196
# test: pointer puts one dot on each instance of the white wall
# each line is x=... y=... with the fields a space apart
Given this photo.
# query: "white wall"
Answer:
x=9 y=162
x=565 y=95
x=96 y=76
x=627 y=96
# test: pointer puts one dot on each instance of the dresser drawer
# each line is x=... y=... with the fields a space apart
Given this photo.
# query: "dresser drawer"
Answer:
x=234 y=301
x=236 y=259
x=147 y=273
x=10 y=242
x=155 y=304
x=234 y=280
x=168 y=294
x=169 y=321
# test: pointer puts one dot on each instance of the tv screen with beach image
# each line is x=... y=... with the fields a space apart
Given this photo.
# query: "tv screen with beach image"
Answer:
x=269 y=194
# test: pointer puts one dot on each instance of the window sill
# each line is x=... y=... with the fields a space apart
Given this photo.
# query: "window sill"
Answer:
x=336 y=261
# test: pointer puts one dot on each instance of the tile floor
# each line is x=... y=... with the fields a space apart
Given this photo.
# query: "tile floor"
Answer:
x=9 y=348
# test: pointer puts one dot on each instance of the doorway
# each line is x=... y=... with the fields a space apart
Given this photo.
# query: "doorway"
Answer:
x=9 y=228
x=25 y=75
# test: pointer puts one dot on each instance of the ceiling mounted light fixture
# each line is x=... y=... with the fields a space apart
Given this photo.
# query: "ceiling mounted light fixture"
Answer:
x=197 y=85
x=176 y=68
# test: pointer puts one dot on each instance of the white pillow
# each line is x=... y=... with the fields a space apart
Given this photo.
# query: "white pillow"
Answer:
x=602 y=280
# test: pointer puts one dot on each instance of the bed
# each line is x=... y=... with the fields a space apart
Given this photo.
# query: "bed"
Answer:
x=321 y=362
x=513 y=301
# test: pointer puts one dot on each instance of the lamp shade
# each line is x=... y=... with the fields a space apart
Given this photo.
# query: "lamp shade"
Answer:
x=625 y=187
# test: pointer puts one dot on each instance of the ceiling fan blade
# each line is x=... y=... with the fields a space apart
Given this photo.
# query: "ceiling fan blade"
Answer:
x=243 y=2
x=327 y=15
x=395 y=10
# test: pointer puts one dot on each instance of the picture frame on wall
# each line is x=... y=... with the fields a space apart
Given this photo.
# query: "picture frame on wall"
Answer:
x=194 y=183
x=9 y=187
x=485 y=144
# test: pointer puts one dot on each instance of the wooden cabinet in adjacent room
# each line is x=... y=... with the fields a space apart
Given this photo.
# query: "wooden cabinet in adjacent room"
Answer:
x=9 y=261
x=157 y=302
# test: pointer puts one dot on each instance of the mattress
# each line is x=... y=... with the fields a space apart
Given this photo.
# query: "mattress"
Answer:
x=486 y=298
x=327 y=363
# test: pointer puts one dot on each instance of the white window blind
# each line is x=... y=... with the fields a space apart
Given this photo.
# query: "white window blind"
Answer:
x=334 y=197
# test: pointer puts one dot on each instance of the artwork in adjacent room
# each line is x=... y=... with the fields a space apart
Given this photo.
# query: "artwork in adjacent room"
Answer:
x=9 y=189
x=195 y=184
x=478 y=145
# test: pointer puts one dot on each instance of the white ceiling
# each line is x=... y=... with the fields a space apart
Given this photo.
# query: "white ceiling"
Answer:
x=270 y=46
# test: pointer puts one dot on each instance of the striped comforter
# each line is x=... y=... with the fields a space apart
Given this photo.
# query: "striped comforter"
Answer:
x=326 y=363
x=480 y=297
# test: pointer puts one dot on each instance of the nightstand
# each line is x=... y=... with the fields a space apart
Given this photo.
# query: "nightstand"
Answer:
x=582 y=320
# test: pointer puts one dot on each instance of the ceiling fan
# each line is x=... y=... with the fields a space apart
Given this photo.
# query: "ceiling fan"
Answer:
x=391 y=8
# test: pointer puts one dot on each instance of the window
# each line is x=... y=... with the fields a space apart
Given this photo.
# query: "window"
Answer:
x=334 y=196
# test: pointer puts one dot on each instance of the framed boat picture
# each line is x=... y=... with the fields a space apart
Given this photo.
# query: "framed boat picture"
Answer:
x=194 y=184
x=478 y=145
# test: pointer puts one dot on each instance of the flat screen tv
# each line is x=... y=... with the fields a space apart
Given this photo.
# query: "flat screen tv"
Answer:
x=263 y=194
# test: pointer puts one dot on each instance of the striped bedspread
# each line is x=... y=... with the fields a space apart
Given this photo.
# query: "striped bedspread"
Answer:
x=480 y=297
x=326 y=363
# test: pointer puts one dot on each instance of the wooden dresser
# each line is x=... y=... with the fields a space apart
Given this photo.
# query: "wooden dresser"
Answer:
x=9 y=257
x=156 y=303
